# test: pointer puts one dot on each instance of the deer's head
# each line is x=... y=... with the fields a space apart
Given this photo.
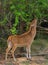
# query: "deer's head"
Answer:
x=33 y=23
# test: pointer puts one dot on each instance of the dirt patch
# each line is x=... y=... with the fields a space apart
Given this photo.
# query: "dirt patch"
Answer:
x=36 y=60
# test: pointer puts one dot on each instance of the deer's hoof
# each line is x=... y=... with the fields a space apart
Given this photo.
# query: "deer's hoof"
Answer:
x=29 y=59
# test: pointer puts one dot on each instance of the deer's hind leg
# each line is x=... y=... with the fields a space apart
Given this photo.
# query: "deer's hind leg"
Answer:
x=12 y=51
x=8 y=49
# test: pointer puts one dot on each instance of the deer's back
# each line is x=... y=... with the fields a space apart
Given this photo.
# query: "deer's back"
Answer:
x=20 y=40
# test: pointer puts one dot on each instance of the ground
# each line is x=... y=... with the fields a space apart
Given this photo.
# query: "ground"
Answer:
x=36 y=60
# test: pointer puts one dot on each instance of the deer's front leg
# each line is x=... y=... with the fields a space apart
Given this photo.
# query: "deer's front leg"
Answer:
x=29 y=52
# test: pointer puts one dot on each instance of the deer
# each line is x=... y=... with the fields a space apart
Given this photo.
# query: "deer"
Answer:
x=22 y=40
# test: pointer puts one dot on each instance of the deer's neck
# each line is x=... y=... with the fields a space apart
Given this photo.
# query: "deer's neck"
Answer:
x=33 y=31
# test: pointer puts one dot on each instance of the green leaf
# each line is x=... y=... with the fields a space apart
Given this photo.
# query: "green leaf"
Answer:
x=12 y=7
x=13 y=30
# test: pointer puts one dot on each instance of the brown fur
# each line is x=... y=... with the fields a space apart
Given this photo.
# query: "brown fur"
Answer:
x=25 y=39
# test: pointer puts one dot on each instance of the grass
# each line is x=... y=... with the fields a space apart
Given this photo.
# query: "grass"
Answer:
x=40 y=43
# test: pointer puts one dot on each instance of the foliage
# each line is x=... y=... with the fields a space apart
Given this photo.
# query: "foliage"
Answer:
x=24 y=9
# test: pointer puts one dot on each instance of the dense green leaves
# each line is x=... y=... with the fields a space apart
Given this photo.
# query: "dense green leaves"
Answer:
x=24 y=9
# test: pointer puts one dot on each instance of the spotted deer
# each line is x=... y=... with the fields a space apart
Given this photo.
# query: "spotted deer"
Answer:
x=23 y=40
